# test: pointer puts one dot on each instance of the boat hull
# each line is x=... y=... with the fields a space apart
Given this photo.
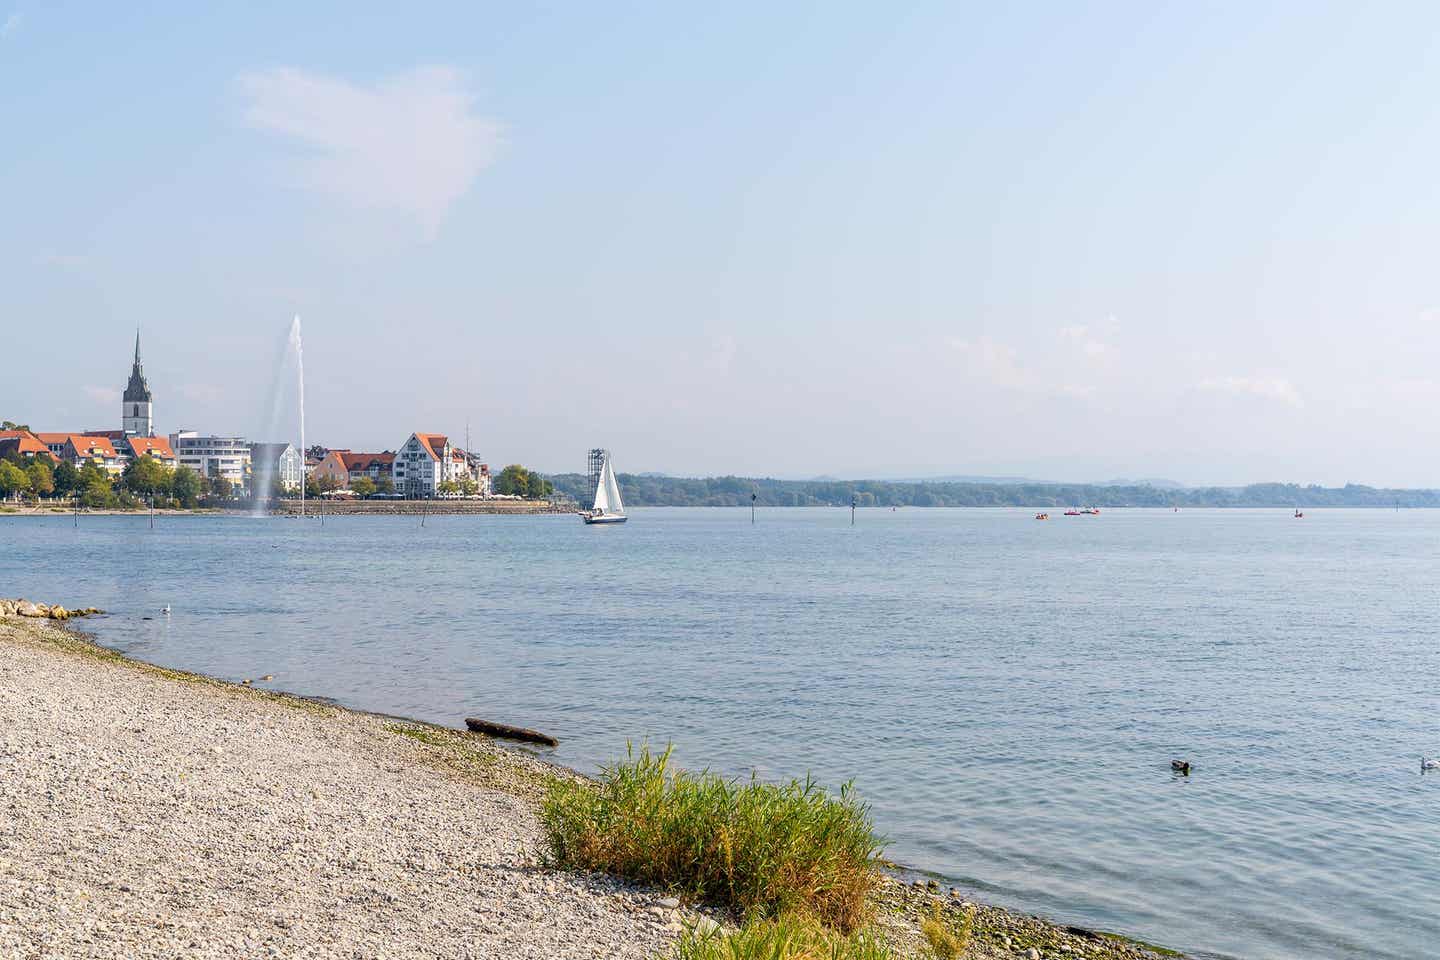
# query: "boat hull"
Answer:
x=590 y=519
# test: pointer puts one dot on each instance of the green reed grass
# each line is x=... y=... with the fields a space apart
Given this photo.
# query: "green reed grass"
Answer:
x=762 y=849
x=787 y=937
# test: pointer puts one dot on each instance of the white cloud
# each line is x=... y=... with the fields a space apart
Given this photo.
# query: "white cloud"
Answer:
x=1268 y=388
x=411 y=143
x=11 y=24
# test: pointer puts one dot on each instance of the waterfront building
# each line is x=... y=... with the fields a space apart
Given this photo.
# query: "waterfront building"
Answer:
x=212 y=457
x=157 y=448
x=345 y=466
x=24 y=445
x=281 y=460
x=80 y=449
x=138 y=411
x=427 y=460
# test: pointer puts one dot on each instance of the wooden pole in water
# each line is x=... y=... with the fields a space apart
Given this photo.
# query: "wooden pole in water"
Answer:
x=853 y=500
x=752 y=507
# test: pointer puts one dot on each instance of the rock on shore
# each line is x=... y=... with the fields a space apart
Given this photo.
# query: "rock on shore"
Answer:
x=41 y=611
x=145 y=816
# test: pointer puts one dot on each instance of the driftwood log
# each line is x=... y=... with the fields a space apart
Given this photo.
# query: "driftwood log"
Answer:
x=507 y=732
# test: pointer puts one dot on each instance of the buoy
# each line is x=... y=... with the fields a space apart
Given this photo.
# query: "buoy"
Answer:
x=1180 y=766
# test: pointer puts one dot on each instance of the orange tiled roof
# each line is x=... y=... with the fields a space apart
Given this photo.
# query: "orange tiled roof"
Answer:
x=155 y=446
x=53 y=437
x=432 y=442
x=23 y=442
x=364 y=461
x=90 y=446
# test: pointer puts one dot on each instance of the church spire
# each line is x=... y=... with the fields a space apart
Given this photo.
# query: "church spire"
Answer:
x=137 y=346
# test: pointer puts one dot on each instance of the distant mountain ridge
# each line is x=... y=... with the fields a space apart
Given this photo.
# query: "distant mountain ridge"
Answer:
x=641 y=490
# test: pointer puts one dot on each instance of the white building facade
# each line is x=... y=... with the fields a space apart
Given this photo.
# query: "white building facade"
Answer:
x=425 y=461
x=212 y=457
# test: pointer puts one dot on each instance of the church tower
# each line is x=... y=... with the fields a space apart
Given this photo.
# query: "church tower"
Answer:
x=137 y=413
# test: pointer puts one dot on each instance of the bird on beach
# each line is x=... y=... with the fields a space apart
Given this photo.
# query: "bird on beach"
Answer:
x=165 y=609
x=1429 y=763
x=1180 y=766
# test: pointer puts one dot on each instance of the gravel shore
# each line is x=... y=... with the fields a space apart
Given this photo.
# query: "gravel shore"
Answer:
x=147 y=813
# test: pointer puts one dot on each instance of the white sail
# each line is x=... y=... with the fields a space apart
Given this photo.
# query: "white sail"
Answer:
x=612 y=491
x=602 y=490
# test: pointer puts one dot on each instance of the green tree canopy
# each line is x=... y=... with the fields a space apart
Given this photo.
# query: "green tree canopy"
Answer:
x=67 y=478
x=146 y=476
x=221 y=487
x=42 y=481
x=13 y=480
x=185 y=486
x=384 y=485
x=514 y=480
x=362 y=486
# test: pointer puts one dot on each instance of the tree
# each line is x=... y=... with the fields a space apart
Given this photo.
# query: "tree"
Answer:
x=468 y=487
x=446 y=487
x=42 y=481
x=11 y=425
x=185 y=486
x=316 y=485
x=67 y=478
x=384 y=485
x=514 y=480
x=146 y=476
x=94 y=487
x=316 y=452
x=221 y=487
x=13 y=480
x=362 y=486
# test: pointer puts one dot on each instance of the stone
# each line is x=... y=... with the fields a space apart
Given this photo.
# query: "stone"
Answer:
x=28 y=609
x=1032 y=954
x=58 y=612
x=706 y=927
x=669 y=903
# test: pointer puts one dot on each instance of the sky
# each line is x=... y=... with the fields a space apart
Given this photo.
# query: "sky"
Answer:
x=1066 y=241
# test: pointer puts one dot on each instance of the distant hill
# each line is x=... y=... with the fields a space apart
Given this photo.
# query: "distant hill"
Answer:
x=656 y=491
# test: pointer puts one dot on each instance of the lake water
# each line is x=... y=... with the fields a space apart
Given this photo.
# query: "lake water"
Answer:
x=1007 y=694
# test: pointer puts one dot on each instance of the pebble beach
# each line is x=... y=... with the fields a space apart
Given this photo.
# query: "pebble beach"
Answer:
x=146 y=812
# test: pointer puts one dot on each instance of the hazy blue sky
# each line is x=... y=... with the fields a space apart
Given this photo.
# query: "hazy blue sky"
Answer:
x=857 y=239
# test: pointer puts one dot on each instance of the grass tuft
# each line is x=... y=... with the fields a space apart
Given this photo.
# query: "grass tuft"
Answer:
x=762 y=849
x=947 y=936
x=786 y=937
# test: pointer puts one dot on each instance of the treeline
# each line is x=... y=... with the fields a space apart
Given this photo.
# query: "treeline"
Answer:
x=145 y=481
x=651 y=491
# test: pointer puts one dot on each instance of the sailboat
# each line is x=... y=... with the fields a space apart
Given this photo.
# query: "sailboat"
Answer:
x=608 y=506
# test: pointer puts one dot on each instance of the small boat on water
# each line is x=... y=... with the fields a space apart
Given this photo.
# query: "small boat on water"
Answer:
x=608 y=507
x=1072 y=512
x=1298 y=514
x=1042 y=516
x=1091 y=511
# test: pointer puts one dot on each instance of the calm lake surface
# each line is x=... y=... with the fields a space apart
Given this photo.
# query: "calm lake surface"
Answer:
x=1006 y=693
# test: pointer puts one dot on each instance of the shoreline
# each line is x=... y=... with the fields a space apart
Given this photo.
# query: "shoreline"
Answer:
x=482 y=771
